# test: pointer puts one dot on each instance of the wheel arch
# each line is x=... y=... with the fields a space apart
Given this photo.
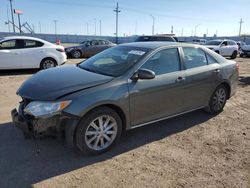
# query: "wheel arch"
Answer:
x=114 y=107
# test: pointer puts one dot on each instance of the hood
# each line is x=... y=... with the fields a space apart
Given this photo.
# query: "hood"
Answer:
x=53 y=83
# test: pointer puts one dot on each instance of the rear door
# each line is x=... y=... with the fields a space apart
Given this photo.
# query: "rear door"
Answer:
x=159 y=97
x=201 y=74
x=32 y=53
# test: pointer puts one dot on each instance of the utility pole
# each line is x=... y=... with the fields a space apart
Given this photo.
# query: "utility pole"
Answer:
x=195 y=29
x=100 y=27
x=172 y=29
x=55 y=22
x=95 y=26
x=136 y=28
x=8 y=19
x=153 y=26
x=87 y=28
x=13 y=21
x=117 y=11
x=241 y=22
x=182 y=31
x=40 y=27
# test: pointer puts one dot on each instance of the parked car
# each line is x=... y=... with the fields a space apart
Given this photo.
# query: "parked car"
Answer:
x=19 y=52
x=88 y=48
x=240 y=44
x=122 y=88
x=226 y=48
x=199 y=41
x=245 y=51
x=156 y=38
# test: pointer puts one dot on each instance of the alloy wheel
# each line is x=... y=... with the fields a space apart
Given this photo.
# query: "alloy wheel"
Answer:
x=48 y=64
x=101 y=132
x=219 y=99
x=76 y=54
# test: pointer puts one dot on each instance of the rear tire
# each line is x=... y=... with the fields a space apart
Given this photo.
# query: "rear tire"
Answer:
x=218 y=100
x=48 y=63
x=234 y=55
x=98 y=131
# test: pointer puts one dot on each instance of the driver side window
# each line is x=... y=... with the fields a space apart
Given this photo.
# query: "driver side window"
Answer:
x=6 y=45
x=163 y=62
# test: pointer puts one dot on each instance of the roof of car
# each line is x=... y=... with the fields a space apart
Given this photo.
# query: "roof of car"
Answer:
x=154 y=45
x=22 y=37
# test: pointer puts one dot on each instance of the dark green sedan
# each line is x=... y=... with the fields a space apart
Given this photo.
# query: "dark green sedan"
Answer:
x=124 y=87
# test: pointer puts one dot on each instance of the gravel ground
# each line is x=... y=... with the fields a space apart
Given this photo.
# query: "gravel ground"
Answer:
x=192 y=150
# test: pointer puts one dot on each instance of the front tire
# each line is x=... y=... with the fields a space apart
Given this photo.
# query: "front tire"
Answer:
x=218 y=100
x=98 y=131
x=234 y=55
x=76 y=54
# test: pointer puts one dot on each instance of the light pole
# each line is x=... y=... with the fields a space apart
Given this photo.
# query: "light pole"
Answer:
x=19 y=12
x=12 y=16
x=195 y=29
x=100 y=27
x=153 y=26
x=117 y=11
x=95 y=26
x=55 y=22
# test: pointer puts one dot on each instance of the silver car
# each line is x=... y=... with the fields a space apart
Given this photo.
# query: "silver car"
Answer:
x=122 y=88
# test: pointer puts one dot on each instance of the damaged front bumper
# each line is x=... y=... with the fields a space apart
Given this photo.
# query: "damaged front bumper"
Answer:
x=40 y=127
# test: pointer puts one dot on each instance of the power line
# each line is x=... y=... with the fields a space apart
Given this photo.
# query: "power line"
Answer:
x=117 y=11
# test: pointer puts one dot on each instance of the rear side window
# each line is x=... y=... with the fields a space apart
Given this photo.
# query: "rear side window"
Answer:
x=211 y=60
x=231 y=43
x=194 y=57
x=163 y=62
x=32 y=44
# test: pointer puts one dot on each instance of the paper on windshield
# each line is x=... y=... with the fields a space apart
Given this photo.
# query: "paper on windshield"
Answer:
x=136 y=52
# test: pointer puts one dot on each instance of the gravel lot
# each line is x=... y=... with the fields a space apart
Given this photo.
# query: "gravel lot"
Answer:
x=193 y=150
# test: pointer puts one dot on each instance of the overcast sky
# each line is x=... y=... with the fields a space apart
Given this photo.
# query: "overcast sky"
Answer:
x=73 y=16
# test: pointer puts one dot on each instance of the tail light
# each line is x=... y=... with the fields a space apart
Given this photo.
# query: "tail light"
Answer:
x=60 y=49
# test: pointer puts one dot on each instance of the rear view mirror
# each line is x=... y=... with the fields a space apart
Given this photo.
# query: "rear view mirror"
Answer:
x=143 y=74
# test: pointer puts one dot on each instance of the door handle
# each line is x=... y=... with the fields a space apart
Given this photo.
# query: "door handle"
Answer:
x=216 y=70
x=180 y=79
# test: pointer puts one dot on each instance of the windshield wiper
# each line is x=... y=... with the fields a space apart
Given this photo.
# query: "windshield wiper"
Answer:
x=94 y=71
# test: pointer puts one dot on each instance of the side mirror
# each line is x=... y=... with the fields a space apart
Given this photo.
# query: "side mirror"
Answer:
x=143 y=74
x=222 y=45
x=87 y=45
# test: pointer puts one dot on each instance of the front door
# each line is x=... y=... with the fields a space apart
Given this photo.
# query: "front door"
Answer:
x=9 y=55
x=159 y=97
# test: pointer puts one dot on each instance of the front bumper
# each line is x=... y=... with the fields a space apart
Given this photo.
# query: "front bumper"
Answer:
x=41 y=127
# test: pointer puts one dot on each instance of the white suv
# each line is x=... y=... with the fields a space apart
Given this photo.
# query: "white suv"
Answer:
x=226 y=48
x=19 y=52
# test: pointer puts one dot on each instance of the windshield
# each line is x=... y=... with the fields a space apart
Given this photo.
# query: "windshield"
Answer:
x=114 y=61
x=213 y=42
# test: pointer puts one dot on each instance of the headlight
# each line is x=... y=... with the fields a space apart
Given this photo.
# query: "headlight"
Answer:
x=69 y=49
x=38 y=108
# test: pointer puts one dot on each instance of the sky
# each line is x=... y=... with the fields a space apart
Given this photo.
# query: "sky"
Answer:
x=136 y=16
